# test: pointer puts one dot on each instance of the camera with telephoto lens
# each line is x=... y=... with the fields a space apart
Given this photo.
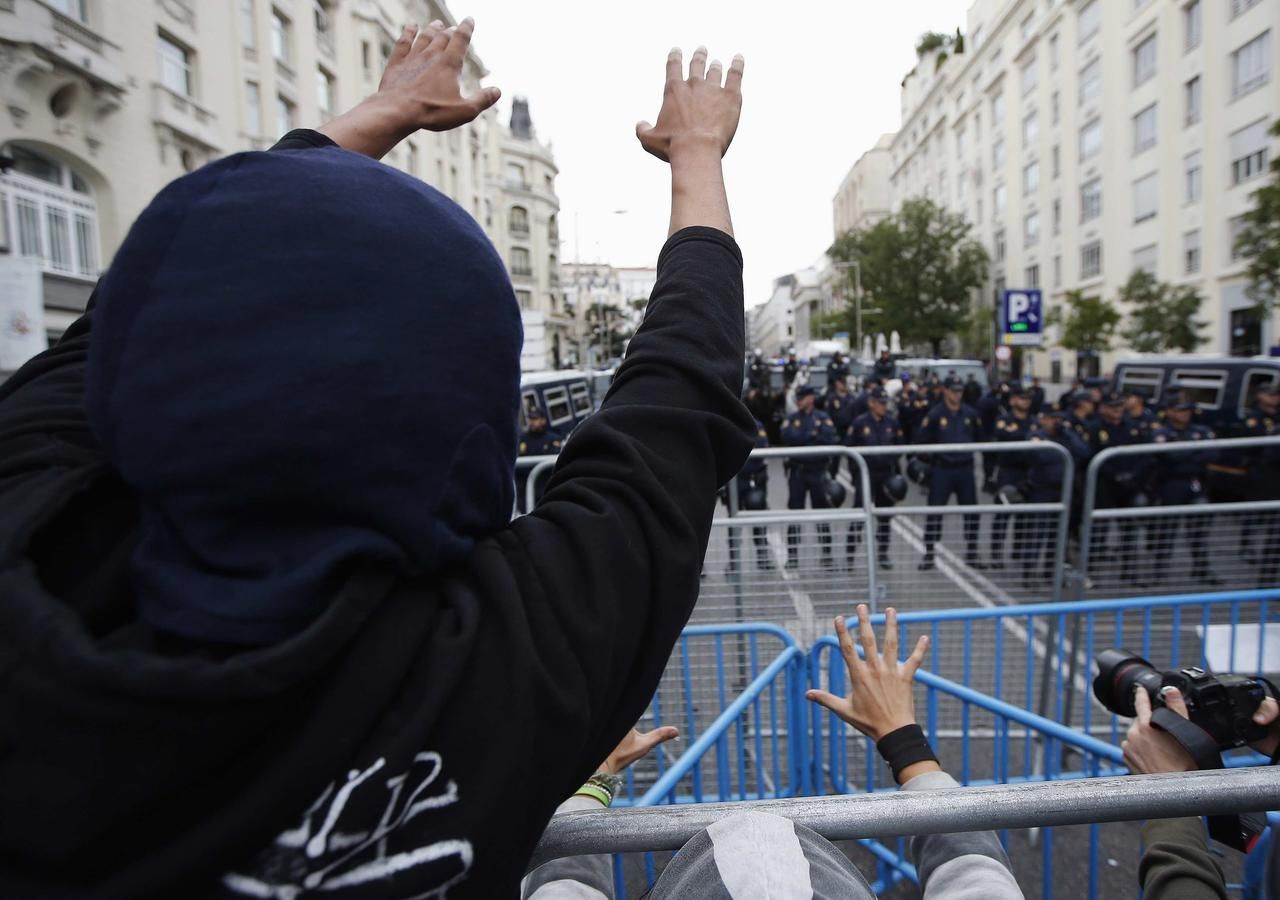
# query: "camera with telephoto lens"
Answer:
x=1222 y=705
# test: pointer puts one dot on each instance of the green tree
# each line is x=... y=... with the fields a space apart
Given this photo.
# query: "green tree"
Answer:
x=824 y=326
x=976 y=332
x=1088 y=325
x=1162 y=317
x=1259 y=240
x=920 y=267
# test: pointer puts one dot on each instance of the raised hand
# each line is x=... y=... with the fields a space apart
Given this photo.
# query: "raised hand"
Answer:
x=880 y=698
x=635 y=746
x=697 y=111
x=423 y=75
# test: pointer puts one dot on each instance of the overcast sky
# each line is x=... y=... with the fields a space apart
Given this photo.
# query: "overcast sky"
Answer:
x=821 y=86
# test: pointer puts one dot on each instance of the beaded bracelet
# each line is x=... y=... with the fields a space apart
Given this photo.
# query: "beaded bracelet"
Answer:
x=601 y=786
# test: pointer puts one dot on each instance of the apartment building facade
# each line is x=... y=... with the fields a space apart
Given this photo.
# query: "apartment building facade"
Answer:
x=864 y=197
x=1085 y=139
x=106 y=101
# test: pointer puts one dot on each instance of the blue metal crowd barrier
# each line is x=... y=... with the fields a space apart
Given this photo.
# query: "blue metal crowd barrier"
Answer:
x=767 y=742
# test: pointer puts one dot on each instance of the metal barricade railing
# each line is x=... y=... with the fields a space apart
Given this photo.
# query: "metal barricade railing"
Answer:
x=1135 y=542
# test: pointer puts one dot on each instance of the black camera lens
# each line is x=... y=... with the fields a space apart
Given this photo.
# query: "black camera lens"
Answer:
x=1119 y=673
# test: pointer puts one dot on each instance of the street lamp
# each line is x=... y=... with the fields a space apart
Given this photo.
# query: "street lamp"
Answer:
x=857 y=301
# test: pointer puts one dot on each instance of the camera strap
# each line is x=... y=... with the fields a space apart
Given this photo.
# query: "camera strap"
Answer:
x=1236 y=831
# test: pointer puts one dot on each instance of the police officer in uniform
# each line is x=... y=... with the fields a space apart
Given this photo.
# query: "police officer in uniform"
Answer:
x=1137 y=412
x=885 y=368
x=807 y=427
x=875 y=428
x=790 y=368
x=839 y=406
x=1037 y=397
x=952 y=422
x=758 y=373
x=913 y=406
x=1181 y=479
x=1263 y=420
x=989 y=408
x=1011 y=469
x=753 y=494
x=1081 y=417
x=539 y=439
x=837 y=368
x=1120 y=481
x=1044 y=485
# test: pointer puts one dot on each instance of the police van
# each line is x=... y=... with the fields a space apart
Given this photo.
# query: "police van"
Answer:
x=563 y=396
x=921 y=369
x=1222 y=387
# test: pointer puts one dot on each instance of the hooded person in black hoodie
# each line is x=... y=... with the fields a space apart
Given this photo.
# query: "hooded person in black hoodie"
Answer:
x=266 y=630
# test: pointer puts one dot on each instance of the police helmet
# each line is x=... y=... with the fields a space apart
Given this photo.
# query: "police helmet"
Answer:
x=1009 y=494
x=918 y=471
x=835 y=492
x=755 y=498
x=896 y=487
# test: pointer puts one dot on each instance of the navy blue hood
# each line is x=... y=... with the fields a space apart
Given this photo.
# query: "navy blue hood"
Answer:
x=302 y=360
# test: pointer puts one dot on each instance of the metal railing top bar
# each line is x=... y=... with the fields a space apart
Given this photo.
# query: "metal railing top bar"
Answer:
x=719 y=727
x=1076 y=607
x=974 y=510
x=742 y=628
x=790 y=517
x=1134 y=512
x=997 y=807
x=972 y=447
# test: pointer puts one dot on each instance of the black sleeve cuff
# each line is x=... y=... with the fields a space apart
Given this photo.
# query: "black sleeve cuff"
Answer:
x=303 y=139
x=905 y=747
x=700 y=233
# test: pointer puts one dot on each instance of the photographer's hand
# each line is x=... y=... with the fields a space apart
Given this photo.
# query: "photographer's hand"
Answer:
x=1268 y=714
x=1148 y=749
x=695 y=127
x=419 y=90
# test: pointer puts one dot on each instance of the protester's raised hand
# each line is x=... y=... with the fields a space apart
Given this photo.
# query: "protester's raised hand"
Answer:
x=423 y=77
x=698 y=112
x=880 y=699
x=635 y=746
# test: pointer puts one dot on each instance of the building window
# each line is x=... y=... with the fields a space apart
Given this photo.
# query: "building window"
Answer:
x=1091 y=260
x=1057 y=271
x=1057 y=217
x=1031 y=178
x=520 y=261
x=1091 y=82
x=999 y=196
x=75 y=9
x=1056 y=156
x=1191 y=26
x=1144 y=260
x=1027 y=24
x=280 y=37
x=366 y=59
x=1191 y=94
x=1090 y=200
x=324 y=94
x=252 y=108
x=284 y=115
x=1144 y=129
x=515 y=175
x=997 y=110
x=1251 y=65
x=175 y=66
x=1191 y=252
x=1192 y=179
x=324 y=22
x=1000 y=245
x=519 y=220
x=997 y=157
x=248 y=26
x=1249 y=152
x=1053 y=53
x=1031 y=230
x=526 y=299
x=53 y=213
x=1031 y=278
x=1146 y=197
x=1029 y=77
x=1144 y=61
x=960 y=148
x=1234 y=227
x=1089 y=20
x=1054 y=108
x=1238 y=7
x=1091 y=140
x=1030 y=129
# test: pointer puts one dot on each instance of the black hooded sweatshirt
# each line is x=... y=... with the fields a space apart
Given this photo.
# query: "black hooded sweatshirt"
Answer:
x=415 y=739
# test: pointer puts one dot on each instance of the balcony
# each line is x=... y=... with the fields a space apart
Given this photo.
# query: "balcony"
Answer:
x=324 y=40
x=285 y=79
x=70 y=43
x=521 y=272
x=184 y=116
x=520 y=229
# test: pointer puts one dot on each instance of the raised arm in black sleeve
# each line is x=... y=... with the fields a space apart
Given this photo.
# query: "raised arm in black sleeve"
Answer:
x=618 y=539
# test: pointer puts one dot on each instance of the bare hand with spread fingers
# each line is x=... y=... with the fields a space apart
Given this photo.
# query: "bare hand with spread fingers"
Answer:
x=420 y=89
x=880 y=697
x=635 y=746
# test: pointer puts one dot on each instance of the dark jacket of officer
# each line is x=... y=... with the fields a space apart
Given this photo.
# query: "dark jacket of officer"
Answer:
x=1013 y=467
x=1183 y=467
x=836 y=370
x=887 y=432
x=1264 y=462
x=885 y=369
x=540 y=443
x=755 y=472
x=942 y=426
x=911 y=413
x=813 y=429
x=1049 y=469
x=988 y=411
x=789 y=371
x=1130 y=470
x=841 y=411
x=758 y=373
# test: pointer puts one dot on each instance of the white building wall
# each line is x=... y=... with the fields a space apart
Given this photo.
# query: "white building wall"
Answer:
x=863 y=198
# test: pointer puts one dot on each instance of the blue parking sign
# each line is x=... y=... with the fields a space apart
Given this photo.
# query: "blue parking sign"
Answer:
x=1021 y=318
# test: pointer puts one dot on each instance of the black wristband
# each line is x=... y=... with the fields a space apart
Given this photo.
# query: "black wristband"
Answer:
x=905 y=747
